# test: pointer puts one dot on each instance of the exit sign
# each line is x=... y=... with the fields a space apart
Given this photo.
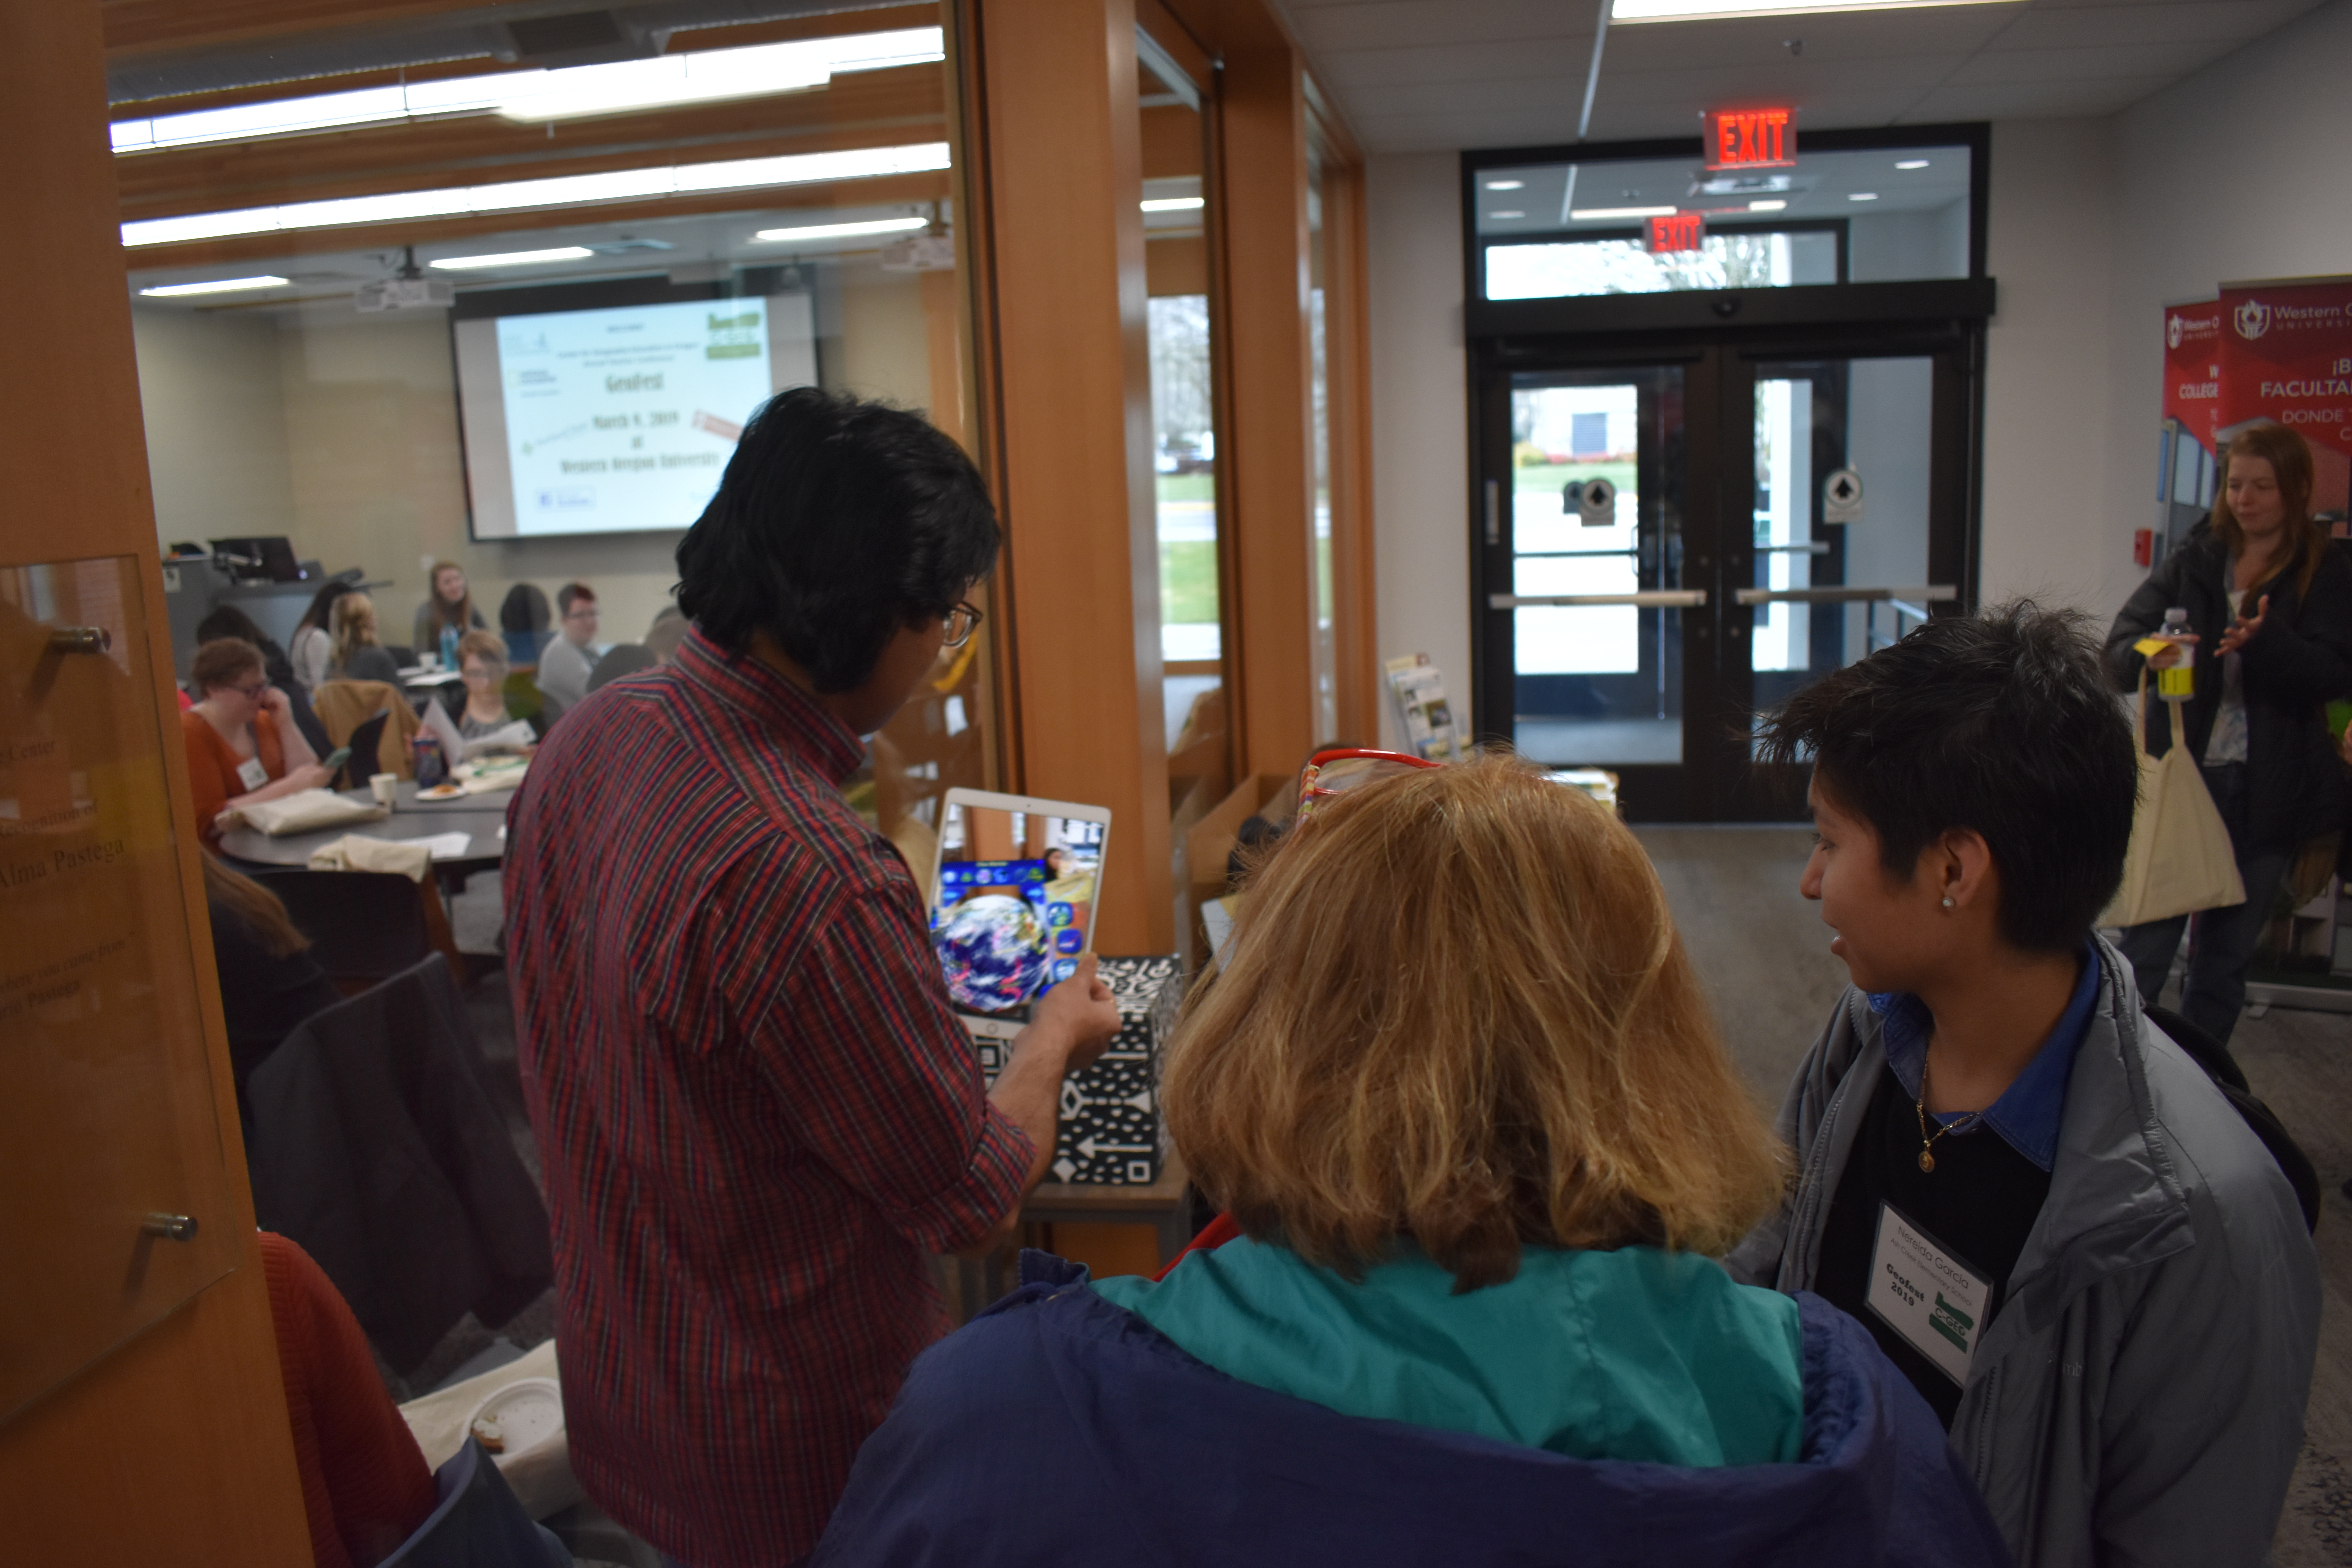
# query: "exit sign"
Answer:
x=1679 y=231
x=1749 y=139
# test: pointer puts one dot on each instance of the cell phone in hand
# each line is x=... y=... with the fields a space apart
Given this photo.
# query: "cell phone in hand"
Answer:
x=336 y=758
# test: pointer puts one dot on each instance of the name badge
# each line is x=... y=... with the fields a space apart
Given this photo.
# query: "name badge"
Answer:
x=252 y=774
x=1936 y=1301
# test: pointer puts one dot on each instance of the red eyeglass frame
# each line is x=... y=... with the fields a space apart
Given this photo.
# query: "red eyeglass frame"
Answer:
x=1310 y=791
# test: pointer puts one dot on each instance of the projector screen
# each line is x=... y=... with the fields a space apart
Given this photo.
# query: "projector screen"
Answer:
x=619 y=420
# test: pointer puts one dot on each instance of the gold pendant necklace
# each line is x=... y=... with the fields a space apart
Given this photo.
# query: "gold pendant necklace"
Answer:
x=1926 y=1140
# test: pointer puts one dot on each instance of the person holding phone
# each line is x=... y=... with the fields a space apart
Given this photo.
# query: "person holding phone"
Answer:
x=2270 y=612
x=243 y=745
x=758 y=1114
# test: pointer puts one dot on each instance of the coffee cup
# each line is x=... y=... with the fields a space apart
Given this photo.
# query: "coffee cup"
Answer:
x=384 y=787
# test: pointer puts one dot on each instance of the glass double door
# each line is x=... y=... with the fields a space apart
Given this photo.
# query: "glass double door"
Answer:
x=1672 y=543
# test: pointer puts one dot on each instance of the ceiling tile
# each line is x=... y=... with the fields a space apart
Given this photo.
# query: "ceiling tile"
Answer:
x=2047 y=27
x=1456 y=67
x=2161 y=62
x=2029 y=99
x=1846 y=35
x=1353 y=25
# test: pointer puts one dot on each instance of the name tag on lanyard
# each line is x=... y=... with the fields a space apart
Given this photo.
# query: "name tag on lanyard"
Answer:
x=1926 y=1294
x=251 y=773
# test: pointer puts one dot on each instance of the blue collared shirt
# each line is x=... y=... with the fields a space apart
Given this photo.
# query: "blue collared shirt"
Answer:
x=2028 y=1111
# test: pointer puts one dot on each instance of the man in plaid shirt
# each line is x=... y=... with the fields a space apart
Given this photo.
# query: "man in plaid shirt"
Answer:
x=756 y=1110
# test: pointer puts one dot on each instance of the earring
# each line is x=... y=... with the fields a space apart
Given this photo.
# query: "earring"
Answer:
x=1948 y=900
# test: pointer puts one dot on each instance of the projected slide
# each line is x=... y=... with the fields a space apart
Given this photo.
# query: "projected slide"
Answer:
x=617 y=420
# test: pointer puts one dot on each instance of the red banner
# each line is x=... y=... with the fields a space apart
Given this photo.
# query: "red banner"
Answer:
x=2192 y=369
x=2286 y=354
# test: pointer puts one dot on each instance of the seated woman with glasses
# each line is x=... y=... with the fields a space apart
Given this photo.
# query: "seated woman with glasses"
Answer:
x=1478 y=1145
x=243 y=745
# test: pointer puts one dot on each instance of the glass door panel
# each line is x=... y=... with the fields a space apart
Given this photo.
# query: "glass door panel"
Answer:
x=1843 y=449
x=1595 y=519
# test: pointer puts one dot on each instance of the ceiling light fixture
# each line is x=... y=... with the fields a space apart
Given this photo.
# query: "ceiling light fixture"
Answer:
x=1627 y=11
x=212 y=286
x=1507 y=214
x=1766 y=207
x=1507 y=184
x=841 y=230
x=1582 y=214
x=513 y=258
x=1912 y=164
x=617 y=184
x=700 y=77
x=1863 y=197
x=1174 y=204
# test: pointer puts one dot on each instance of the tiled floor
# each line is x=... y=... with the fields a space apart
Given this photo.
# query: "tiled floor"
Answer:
x=1766 y=958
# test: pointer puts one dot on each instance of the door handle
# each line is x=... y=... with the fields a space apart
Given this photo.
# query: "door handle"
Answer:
x=1652 y=599
x=1930 y=594
x=1493 y=511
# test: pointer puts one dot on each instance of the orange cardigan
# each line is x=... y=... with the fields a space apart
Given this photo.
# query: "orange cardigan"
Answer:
x=213 y=765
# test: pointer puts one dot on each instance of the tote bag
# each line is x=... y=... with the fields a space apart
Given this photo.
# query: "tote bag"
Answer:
x=2181 y=858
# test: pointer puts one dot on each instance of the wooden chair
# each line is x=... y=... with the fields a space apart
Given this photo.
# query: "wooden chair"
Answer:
x=365 y=926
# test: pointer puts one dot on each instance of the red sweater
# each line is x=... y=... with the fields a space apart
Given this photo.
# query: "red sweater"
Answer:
x=364 y=1483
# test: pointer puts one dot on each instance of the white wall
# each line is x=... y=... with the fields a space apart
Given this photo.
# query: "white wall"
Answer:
x=217 y=462
x=1421 y=415
x=2051 y=524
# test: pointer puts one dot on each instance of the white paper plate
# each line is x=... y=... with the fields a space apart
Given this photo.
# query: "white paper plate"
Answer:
x=529 y=1412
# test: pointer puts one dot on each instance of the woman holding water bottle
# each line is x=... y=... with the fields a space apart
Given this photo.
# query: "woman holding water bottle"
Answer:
x=2258 y=610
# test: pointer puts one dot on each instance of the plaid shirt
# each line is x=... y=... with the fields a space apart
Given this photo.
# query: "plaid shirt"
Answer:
x=756 y=1110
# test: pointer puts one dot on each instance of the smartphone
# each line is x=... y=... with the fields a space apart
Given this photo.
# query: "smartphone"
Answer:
x=1013 y=894
x=336 y=758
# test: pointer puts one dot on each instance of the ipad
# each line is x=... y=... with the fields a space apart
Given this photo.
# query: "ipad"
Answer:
x=1013 y=898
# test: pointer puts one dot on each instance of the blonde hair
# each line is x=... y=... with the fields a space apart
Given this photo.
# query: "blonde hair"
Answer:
x=354 y=618
x=1455 y=1009
x=489 y=649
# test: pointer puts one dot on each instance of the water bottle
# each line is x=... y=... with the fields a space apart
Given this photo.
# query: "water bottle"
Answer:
x=432 y=768
x=2177 y=683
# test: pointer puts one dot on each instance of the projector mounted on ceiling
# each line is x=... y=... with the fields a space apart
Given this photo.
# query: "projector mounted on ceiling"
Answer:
x=408 y=289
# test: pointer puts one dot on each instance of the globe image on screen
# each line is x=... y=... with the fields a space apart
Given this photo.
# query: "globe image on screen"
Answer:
x=993 y=950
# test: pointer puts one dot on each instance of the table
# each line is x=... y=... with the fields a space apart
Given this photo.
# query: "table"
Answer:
x=481 y=817
x=1160 y=1206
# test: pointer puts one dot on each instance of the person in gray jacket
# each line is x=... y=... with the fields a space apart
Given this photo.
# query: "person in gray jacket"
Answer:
x=2045 y=1213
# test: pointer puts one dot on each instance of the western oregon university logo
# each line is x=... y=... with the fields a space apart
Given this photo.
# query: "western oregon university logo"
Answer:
x=2252 y=319
x=2173 y=333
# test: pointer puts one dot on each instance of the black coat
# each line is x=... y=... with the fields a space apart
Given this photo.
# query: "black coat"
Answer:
x=2299 y=662
x=378 y=1150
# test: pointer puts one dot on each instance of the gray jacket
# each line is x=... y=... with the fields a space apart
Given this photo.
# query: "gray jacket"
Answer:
x=2139 y=1397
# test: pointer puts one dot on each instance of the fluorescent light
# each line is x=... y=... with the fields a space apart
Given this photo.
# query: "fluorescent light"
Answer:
x=1506 y=185
x=700 y=77
x=618 y=184
x=1582 y=214
x=1711 y=10
x=1174 y=204
x=212 y=286
x=1766 y=207
x=1502 y=215
x=1863 y=197
x=842 y=230
x=1912 y=164
x=513 y=258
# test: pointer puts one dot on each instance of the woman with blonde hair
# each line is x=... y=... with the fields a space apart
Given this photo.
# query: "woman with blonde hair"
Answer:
x=1477 y=1143
x=358 y=654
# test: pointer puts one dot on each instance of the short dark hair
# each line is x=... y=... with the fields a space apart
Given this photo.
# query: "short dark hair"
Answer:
x=228 y=621
x=572 y=594
x=837 y=522
x=2002 y=723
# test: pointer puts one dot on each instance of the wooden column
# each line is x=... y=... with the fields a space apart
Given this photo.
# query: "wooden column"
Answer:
x=1265 y=337
x=1068 y=409
x=174 y=1446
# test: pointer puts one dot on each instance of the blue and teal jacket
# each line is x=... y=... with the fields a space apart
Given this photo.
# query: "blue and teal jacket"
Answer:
x=1060 y=1428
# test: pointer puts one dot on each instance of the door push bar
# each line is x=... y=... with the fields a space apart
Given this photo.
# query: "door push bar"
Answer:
x=1931 y=593
x=1654 y=599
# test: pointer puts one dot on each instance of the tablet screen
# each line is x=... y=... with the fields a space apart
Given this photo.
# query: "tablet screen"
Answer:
x=1015 y=905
